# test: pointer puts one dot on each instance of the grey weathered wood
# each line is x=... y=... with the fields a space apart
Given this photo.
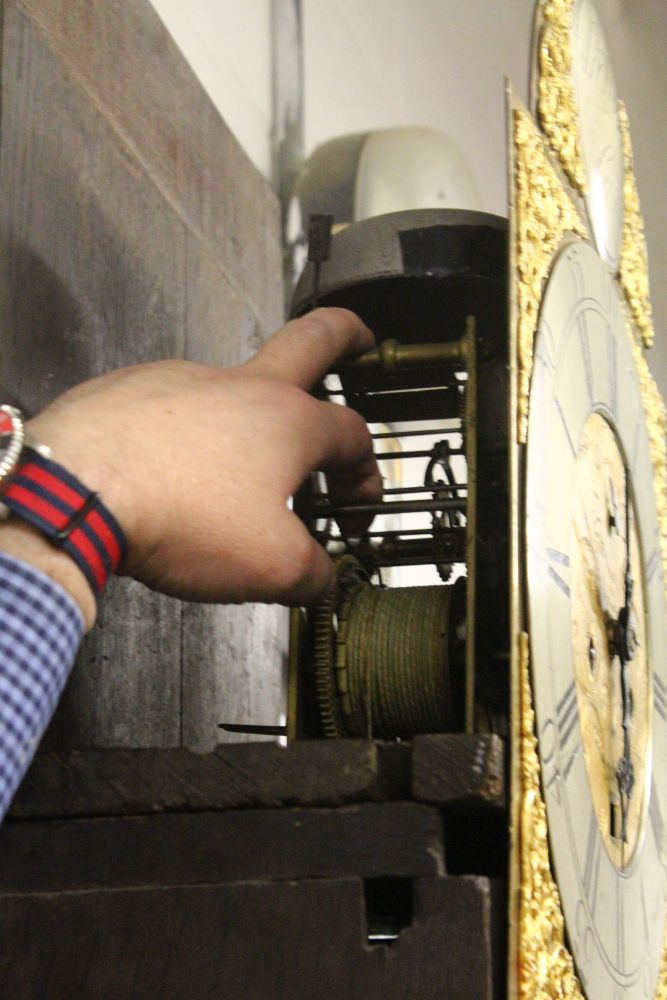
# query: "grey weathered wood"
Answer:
x=125 y=59
x=132 y=227
x=233 y=670
x=249 y=941
x=126 y=687
x=459 y=771
x=232 y=656
x=134 y=782
x=373 y=839
x=87 y=245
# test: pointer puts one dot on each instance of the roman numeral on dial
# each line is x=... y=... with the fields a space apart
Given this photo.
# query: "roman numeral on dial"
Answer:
x=586 y=355
x=592 y=863
x=613 y=377
x=660 y=697
x=567 y=716
x=652 y=565
x=657 y=823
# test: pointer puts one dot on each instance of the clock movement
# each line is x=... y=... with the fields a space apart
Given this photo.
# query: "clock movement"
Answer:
x=382 y=659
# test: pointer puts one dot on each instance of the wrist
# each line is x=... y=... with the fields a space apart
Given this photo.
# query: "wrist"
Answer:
x=61 y=525
x=21 y=540
x=92 y=457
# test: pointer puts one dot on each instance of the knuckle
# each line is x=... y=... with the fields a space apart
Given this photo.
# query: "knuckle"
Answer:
x=182 y=367
x=354 y=427
x=287 y=401
x=295 y=566
x=355 y=421
x=314 y=325
x=328 y=322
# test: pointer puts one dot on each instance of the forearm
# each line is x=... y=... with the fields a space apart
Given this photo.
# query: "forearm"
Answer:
x=46 y=604
x=40 y=630
x=25 y=543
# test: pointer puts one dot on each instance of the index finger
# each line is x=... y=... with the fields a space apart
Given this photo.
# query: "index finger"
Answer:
x=307 y=348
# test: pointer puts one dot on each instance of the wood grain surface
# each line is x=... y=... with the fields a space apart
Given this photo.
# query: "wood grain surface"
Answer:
x=135 y=782
x=369 y=840
x=249 y=941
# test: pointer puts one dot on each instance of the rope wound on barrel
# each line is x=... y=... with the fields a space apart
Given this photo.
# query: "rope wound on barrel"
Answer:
x=382 y=657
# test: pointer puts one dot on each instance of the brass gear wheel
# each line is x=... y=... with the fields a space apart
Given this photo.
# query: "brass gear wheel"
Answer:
x=329 y=627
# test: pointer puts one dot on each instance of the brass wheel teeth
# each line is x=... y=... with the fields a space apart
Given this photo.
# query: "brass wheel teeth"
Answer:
x=325 y=682
x=326 y=687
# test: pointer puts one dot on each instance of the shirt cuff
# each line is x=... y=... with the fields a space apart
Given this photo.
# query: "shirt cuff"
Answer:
x=41 y=627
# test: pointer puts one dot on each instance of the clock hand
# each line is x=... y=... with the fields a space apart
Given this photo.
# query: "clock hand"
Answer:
x=625 y=643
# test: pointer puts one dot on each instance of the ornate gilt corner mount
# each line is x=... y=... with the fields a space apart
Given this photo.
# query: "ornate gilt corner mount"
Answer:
x=633 y=270
x=556 y=104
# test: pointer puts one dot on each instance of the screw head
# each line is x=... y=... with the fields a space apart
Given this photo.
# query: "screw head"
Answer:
x=592 y=655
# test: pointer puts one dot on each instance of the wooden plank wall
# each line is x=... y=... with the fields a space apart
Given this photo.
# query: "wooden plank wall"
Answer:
x=133 y=227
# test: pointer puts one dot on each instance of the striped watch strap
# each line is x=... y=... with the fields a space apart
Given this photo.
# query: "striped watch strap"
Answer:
x=71 y=516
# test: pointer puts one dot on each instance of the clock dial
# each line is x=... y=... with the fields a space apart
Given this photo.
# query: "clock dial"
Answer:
x=595 y=598
x=599 y=130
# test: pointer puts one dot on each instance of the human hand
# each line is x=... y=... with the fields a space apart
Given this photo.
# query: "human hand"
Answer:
x=197 y=463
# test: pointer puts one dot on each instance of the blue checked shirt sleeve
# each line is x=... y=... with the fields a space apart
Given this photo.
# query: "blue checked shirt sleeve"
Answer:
x=40 y=631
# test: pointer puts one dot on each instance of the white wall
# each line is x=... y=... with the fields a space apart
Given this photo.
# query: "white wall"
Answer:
x=376 y=63
x=637 y=37
x=227 y=43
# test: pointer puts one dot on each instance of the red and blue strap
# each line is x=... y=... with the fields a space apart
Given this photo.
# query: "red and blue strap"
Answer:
x=71 y=516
